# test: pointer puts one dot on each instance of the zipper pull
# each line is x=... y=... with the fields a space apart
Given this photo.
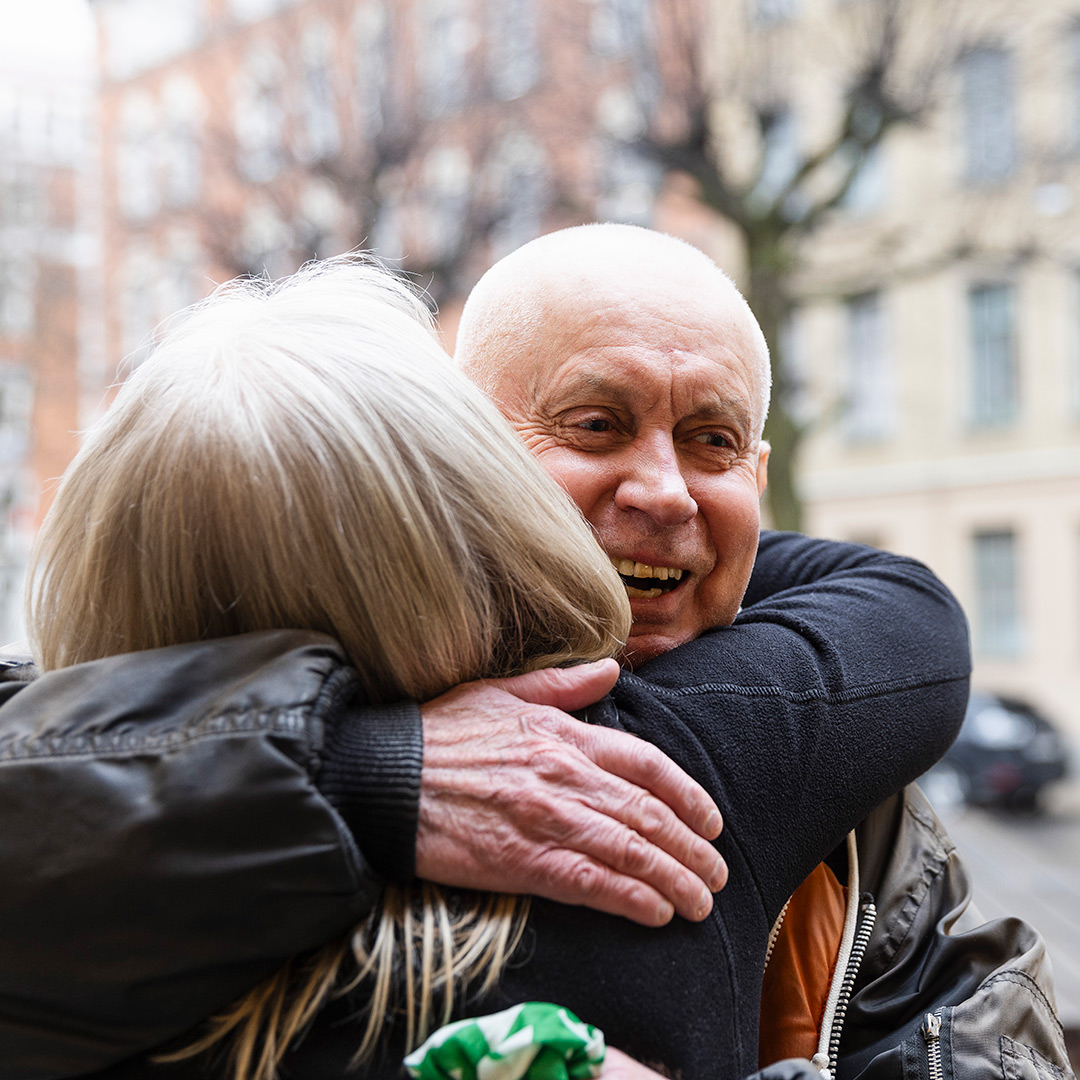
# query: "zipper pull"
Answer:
x=931 y=1033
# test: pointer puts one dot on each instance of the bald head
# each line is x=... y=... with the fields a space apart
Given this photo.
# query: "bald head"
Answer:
x=520 y=308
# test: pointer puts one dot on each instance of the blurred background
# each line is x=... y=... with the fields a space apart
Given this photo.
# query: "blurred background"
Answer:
x=895 y=185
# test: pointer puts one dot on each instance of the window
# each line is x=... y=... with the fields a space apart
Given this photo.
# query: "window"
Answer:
x=447 y=179
x=260 y=116
x=871 y=399
x=266 y=241
x=989 y=140
x=617 y=26
x=625 y=28
x=513 y=54
x=22 y=195
x=1074 y=87
x=320 y=138
x=521 y=183
x=779 y=156
x=251 y=10
x=180 y=282
x=18 y=277
x=867 y=190
x=449 y=37
x=319 y=221
x=388 y=232
x=138 y=304
x=630 y=184
x=373 y=51
x=997 y=602
x=137 y=158
x=182 y=152
x=766 y=12
x=141 y=34
x=994 y=398
x=16 y=406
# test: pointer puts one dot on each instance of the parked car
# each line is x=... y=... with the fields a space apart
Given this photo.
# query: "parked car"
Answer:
x=1005 y=754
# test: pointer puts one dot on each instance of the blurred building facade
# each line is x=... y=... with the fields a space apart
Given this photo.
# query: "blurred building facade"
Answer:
x=46 y=263
x=937 y=337
x=252 y=135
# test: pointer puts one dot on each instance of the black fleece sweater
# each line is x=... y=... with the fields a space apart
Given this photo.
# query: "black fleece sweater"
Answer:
x=844 y=677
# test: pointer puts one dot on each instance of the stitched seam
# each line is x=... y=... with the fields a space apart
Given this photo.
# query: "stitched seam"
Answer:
x=916 y=897
x=1021 y=1051
x=291 y=721
x=854 y=693
x=1015 y=975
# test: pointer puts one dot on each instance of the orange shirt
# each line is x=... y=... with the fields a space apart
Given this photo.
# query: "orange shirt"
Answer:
x=797 y=980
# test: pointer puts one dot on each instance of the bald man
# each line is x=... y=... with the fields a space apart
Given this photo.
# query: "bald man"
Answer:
x=659 y=443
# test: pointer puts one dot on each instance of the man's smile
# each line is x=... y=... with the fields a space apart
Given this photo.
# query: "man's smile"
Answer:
x=645 y=582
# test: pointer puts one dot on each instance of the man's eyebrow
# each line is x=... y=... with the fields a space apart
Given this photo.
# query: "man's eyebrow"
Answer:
x=730 y=410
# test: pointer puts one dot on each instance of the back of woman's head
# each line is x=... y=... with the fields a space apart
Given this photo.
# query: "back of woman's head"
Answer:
x=304 y=454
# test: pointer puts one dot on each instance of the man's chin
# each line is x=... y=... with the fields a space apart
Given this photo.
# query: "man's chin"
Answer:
x=641 y=648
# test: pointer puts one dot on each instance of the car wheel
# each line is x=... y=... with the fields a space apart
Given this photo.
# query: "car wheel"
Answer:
x=945 y=788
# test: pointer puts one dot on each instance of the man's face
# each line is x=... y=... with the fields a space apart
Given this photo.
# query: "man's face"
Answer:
x=644 y=413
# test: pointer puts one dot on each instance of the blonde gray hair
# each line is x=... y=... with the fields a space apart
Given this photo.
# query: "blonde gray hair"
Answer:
x=304 y=454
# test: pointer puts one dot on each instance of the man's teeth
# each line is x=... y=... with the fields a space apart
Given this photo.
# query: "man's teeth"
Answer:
x=629 y=568
x=644 y=572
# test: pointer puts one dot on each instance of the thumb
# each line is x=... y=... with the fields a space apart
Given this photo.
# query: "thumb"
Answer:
x=562 y=688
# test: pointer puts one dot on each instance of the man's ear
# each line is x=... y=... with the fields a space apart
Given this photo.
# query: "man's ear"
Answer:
x=764 y=450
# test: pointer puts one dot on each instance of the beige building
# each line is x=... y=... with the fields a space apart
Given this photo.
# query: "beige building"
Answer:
x=938 y=337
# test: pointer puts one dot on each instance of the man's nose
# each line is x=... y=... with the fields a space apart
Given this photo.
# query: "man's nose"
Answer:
x=653 y=483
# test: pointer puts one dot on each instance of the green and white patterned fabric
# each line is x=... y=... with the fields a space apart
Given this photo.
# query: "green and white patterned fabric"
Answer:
x=533 y=1041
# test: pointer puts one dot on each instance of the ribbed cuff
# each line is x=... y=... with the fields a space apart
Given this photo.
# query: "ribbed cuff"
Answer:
x=370 y=773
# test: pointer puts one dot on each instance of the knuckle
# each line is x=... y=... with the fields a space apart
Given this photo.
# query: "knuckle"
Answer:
x=636 y=853
x=588 y=879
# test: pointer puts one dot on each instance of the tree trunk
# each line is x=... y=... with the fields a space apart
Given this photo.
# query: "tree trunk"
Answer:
x=772 y=306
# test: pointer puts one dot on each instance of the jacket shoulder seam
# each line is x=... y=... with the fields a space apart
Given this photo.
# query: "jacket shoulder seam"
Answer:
x=1022 y=978
x=291 y=721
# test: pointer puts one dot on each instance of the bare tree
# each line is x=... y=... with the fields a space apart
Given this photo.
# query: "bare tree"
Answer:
x=727 y=124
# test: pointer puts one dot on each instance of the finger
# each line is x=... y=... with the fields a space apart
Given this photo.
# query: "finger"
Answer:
x=562 y=688
x=687 y=880
x=572 y=802
x=642 y=764
x=572 y=878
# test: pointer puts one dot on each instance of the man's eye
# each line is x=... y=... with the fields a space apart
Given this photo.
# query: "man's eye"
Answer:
x=596 y=423
x=713 y=438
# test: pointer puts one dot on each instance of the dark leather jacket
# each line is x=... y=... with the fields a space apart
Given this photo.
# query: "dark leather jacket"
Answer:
x=114 y=752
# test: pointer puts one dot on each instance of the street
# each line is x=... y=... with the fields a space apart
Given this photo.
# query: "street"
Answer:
x=1029 y=865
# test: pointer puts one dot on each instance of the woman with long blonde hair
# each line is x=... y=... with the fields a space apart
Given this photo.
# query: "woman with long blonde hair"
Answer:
x=303 y=454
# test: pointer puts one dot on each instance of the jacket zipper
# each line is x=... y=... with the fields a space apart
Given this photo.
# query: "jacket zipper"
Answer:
x=868 y=911
x=931 y=1033
x=774 y=933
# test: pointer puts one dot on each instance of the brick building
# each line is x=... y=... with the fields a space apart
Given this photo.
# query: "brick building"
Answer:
x=250 y=135
x=46 y=259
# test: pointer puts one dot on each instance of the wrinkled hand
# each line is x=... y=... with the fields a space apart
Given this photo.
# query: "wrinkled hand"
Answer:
x=517 y=796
